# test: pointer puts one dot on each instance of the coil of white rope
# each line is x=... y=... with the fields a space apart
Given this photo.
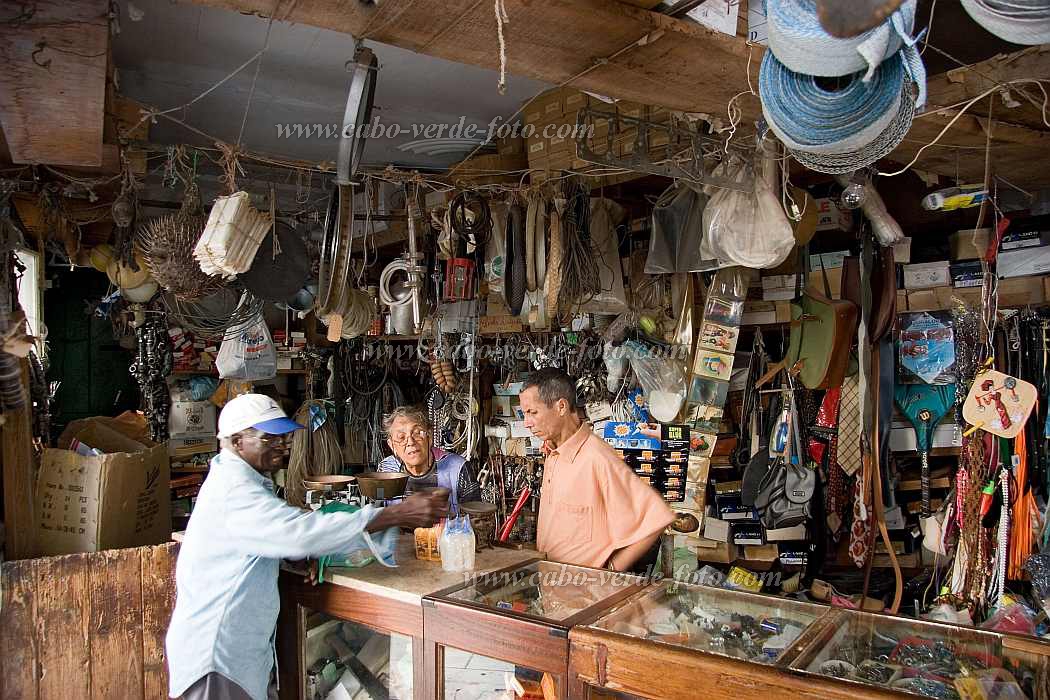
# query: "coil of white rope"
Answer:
x=1024 y=22
x=801 y=44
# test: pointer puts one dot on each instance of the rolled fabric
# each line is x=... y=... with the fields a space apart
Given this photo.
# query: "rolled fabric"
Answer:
x=800 y=43
x=810 y=118
x=1024 y=22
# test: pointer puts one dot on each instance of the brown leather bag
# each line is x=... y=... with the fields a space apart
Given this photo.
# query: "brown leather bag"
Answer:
x=822 y=332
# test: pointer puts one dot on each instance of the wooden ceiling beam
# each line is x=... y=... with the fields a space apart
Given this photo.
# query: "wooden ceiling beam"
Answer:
x=53 y=82
x=683 y=67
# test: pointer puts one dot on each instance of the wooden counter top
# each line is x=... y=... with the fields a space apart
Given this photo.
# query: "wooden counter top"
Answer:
x=414 y=578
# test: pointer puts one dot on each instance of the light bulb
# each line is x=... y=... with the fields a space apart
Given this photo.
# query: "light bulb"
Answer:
x=854 y=196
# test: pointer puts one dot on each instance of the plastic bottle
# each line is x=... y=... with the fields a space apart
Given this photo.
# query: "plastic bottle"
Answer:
x=446 y=546
x=470 y=545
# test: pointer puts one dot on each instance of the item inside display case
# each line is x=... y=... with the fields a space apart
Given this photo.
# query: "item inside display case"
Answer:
x=728 y=623
x=547 y=590
x=920 y=658
x=347 y=660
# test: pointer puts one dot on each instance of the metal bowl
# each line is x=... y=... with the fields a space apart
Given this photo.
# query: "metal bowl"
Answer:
x=382 y=486
x=327 y=482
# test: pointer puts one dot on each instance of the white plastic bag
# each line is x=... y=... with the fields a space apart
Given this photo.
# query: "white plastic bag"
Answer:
x=747 y=228
x=661 y=378
x=247 y=352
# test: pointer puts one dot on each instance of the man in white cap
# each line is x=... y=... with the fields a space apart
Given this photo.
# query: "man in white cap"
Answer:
x=220 y=640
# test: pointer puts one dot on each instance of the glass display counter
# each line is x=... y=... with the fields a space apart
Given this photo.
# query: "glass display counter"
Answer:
x=925 y=658
x=674 y=638
x=713 y=620
x=514 y=625
x=360 y=633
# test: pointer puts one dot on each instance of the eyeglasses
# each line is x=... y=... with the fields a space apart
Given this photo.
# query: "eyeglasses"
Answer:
x=419 y=435
x=270 y=440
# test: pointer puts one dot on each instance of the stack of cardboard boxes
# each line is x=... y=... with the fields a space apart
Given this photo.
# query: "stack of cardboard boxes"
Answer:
x=549 y=126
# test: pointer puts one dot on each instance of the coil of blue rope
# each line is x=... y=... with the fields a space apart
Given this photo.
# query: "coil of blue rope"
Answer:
x=809 y=117
x=801 y=44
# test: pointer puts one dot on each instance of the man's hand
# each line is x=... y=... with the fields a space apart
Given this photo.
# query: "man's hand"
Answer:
x=421 y=510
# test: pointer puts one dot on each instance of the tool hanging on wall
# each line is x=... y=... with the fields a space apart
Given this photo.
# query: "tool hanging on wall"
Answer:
x=471 y=222
x=411 y=299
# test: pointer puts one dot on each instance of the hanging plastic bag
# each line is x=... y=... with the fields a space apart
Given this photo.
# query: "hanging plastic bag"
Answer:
x=747 y=228
x=247 y=352
x=611 y=299
x=678 y=229
x=379 y=547
x=662 y=380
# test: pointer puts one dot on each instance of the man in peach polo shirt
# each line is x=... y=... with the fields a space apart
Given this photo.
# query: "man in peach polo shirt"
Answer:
x=594 y=511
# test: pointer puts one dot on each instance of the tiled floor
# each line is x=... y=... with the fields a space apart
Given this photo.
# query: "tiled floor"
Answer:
x=474 y=677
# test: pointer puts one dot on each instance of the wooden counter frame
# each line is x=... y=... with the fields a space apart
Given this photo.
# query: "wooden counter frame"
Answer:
x=517 y=638
x=608 y=661
x=376 y=612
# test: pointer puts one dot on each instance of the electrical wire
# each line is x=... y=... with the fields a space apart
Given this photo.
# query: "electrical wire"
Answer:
x=580 y=274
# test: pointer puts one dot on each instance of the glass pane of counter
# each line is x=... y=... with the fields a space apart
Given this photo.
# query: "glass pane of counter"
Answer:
x=921 y=658
x=543 y=590
x=728 y=623
x=362 y=662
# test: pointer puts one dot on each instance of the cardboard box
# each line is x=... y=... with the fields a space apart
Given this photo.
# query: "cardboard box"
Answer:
x=967 y=245
x=189 y=446
x=786 y=534
x=192 y=418
x=716 y=530
x=829 y=261
x=715 y=552
x=510 y=146
x=927 y=275
x=545 y=107
x=1024 y=238
x=114 y=500
x=830 y=217
x=902 y=251
x=759 y=312
x=816 y=281
x=1022 y=291
x=968 y=273
x=1024 y=262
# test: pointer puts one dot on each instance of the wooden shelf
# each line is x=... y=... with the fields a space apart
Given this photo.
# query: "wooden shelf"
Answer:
x=213 y=373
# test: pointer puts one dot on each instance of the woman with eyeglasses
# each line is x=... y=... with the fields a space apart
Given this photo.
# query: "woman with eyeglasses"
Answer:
x=409 y=432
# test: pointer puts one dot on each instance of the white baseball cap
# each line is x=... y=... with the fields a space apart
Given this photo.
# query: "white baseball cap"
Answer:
x=254 y=411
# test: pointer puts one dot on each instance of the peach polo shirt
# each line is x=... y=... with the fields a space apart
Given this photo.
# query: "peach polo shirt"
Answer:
x=592 y=504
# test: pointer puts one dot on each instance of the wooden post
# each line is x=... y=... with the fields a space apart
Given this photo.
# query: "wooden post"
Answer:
x=19 y=477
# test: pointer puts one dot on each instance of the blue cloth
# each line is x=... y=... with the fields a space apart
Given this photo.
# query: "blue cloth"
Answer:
x=226 y=577
x=447 y=468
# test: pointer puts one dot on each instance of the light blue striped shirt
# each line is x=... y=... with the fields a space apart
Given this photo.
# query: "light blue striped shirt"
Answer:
x=226 y=577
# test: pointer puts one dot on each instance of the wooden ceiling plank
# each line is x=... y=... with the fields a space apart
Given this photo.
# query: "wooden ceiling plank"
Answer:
x=52 y=88
x=688 y=68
